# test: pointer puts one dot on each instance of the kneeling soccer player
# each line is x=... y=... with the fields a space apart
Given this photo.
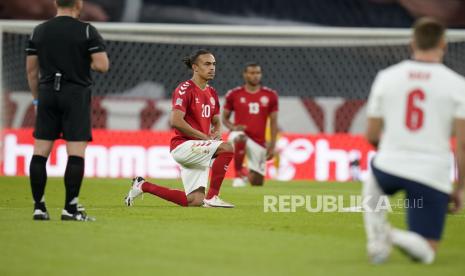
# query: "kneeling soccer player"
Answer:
x=195 y=108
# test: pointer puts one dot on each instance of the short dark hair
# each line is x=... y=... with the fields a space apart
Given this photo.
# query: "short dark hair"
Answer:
x=66 y=3
x=192 y=58
x=427 y=33
x=251 y=64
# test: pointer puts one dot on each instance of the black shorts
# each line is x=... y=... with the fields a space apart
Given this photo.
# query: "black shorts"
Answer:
x=426 y=213
x=64 y=114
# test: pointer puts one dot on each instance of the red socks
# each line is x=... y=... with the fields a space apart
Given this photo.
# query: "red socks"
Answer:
x=175 y=196
x=239 y=154
x=219 y=168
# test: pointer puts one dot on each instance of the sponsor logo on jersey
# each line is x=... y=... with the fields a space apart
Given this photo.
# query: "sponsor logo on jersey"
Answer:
x=197 y=100
x=178 y=102
x=212 y=101
x=264 y=100
x=242 y=100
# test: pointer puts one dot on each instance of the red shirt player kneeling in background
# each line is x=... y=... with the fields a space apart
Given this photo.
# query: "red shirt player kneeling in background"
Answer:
x=252 y=105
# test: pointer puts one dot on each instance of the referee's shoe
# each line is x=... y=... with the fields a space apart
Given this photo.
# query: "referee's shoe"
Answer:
x=40 y=215
x=79 y=215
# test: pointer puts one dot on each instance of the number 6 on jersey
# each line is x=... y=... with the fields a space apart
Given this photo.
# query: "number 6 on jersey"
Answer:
x=414 y=114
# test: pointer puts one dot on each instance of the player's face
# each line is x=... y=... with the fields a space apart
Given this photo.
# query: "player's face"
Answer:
x=204 y=67
x=253 y=75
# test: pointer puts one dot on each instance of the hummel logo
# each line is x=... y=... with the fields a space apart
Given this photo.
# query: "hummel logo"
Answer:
x=225 y=167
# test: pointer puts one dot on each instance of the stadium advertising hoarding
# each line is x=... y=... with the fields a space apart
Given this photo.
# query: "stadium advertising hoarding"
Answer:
x=340 y=157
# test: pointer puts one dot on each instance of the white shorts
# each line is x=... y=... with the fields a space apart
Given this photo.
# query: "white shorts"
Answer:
x=195 y=159
x=256 y=153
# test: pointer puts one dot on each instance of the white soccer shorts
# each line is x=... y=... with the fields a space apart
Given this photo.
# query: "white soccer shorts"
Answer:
x=195 y=159
x=256 y=154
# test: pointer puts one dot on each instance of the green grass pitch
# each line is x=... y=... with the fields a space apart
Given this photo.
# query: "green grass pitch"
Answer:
x=158 y=238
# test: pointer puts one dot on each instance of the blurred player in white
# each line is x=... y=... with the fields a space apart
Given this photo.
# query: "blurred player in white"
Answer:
x=252 y=104
x=197 y=142
x=413 y=109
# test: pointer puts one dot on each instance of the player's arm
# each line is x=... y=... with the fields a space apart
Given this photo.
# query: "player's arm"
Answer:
x=457 y=194
x=216 y=128
x=226 y=118
x=374 y=130
x=274 y=133
x=32 y=69
x=177 y=121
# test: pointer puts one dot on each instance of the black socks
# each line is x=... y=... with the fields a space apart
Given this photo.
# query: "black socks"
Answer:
x=38 y=179
x=73 y=179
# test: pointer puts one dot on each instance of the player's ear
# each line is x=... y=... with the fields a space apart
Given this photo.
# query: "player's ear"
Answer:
x=79 y=4
x=443 y=44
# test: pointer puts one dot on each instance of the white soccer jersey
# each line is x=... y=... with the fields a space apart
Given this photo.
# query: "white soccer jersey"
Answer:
x=418 y=102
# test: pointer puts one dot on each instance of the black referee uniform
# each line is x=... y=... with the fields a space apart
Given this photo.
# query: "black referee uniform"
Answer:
x=63 y=46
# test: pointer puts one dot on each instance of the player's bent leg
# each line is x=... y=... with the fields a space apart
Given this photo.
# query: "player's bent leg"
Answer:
x=140 y=186
x=256 y=179
x=38 y=177
x=240 y=173
x=377 y=228
x=256 y=157
x=73 y=177
x=225 y=147
x=241 y=177
x=224 y=155
x=414 y=245
x=426 y=216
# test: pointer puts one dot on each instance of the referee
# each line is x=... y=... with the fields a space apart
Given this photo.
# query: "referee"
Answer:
x=60 y=54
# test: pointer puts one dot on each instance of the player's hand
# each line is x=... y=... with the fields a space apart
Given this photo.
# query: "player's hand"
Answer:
x=456 y=200
x=239 y=128
x=269 y=152
x=215 y=135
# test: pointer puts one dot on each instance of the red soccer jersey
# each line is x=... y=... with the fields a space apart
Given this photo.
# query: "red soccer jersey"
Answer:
x=252 y=110
x=199 y=107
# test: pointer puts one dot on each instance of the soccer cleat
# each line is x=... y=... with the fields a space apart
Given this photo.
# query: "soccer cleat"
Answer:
x=216 y=202
x=239 y=182
x=380 y=249
x=40 y=215
x=135 y=191
x=80 y=215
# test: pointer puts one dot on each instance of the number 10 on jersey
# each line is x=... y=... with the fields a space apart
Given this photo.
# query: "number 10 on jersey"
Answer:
x=206 y=111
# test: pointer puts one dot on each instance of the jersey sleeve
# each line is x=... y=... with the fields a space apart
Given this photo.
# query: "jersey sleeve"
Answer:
x=274 y=103
x=31 y=49
x=374 y=106
x=95 y=43
x=180 y=100
x=229 y=101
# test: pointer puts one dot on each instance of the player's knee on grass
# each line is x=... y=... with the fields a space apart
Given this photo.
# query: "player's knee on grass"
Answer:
x=256 y=179
x=196 y=197
x=225 y=147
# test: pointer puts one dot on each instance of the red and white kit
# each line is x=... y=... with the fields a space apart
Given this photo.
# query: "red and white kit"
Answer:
x=252 y=110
